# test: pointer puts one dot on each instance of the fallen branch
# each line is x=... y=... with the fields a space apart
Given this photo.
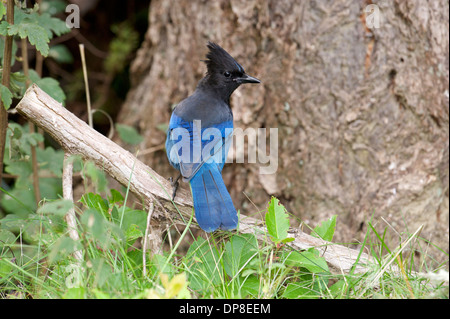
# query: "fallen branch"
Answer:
x=77 y=138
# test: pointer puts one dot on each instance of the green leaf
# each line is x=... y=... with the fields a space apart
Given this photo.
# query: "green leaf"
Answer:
x=97 y=176
x=132 y=233
x=6 y=96
x=277 y=221
x=62 y=248
x=48 y=24
x=159 y=264
x=250 y=286
x=52 y=88
x=98 y=294
x=51 y=159
x=19 y=142
x=61 y=54
x=326 y=229
x=102 y=271
x=204 y=267
x=31 y=139
x=120 y=48
x=132 y=220
x=19 y=201
x=287 y=240
x=12 y=222
x=95 y=201
x=309 y=259
x=6 y=238
x=2 y=10
x=116 y=197
x=51 y=188
x=95 y=223
x=5 y=268
x=239 y=251
x=75 y=293
x=57 y=207
x=4 y=28
x=299 y=291
x=129 y=134
x=17 y=83
x=22 y=168
x=338 y=289
x=48 y=85
x=52 y=25
x=53 y=6
x=35 y=34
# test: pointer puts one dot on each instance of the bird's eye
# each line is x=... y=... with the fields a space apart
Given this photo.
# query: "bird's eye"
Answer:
x=227 y=74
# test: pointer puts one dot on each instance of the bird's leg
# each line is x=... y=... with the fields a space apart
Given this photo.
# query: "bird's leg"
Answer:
x=175 y=184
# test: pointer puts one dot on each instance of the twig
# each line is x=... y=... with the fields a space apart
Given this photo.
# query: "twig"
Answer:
x=6 y=73
x=148 y=228
x=68 y=194
x=86 y=85
x=90 y=47
x=38 y=69
x=111 y=122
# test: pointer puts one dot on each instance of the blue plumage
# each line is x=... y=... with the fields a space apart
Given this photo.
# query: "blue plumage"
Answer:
x=212 y=203
x=199 y=137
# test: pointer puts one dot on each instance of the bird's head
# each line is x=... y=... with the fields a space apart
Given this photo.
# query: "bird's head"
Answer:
x=224 y=73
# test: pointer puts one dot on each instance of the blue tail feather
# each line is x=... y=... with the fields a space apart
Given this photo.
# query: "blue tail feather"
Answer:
x=212 y=203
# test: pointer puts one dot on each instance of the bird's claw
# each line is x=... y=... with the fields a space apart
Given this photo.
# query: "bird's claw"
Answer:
x=175 y=185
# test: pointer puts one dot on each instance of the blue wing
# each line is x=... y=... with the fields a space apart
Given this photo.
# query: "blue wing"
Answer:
x=200 y=154
x=189 y=146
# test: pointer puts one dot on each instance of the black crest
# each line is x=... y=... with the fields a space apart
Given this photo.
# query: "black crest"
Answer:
x=219 y=60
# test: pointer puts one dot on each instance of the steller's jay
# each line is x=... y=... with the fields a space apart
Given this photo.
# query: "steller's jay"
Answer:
x=199 y=136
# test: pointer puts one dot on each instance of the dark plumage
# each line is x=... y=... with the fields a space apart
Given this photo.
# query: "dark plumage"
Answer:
x=210 y=104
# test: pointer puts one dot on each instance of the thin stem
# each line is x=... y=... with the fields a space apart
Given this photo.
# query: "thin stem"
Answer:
x=38 y=69
x=68 y=194
x=34 y=161
x=147 y=230
x=7 y=55
x=86 y=84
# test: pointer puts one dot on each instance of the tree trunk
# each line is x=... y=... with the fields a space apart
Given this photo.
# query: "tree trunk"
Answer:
x=362 y=110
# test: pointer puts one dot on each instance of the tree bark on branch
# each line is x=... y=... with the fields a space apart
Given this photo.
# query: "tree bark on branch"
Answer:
x=77 y=138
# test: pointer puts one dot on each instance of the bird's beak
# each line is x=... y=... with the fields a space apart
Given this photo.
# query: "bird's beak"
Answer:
x=245 y=78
